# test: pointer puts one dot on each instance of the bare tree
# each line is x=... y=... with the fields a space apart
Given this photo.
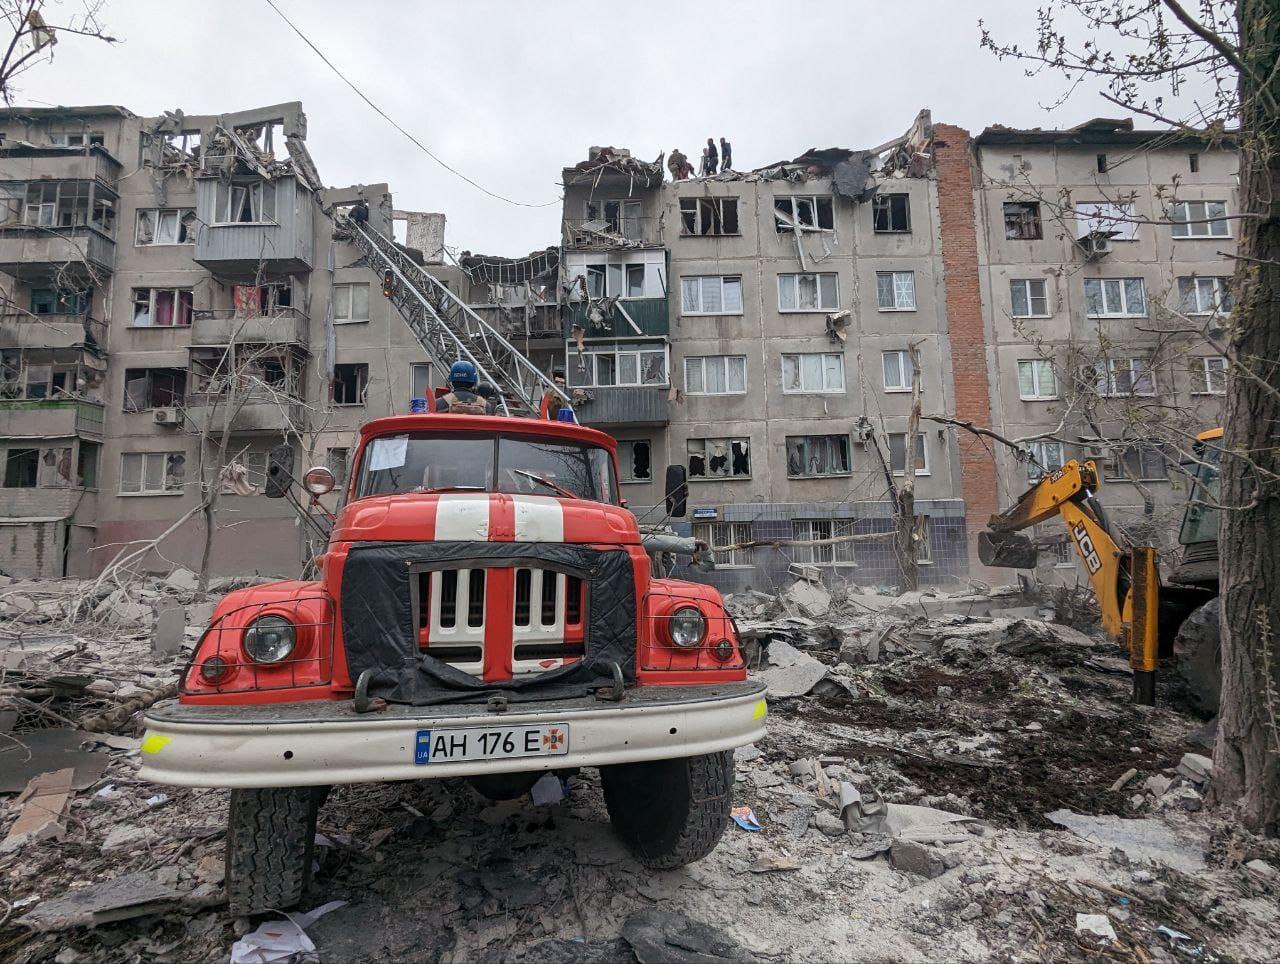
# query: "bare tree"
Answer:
x=34 y=37
x=1142 y=54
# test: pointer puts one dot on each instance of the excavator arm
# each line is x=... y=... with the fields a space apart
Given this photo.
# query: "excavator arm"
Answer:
x=1126 y=581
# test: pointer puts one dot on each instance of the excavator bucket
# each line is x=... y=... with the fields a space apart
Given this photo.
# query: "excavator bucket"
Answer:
x=1006 y=550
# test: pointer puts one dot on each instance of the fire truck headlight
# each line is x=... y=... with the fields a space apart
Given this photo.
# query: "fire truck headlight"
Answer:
x=687 y=627
x=270 y=639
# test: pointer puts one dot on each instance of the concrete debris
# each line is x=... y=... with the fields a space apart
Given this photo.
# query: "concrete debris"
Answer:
x=42 y=803
x=666 y=937
x=792 y=672
x=1263 y=869
x=1145 y=841
x=131 y=895
x=1096 y=924
x=914 y=858
x=812 y=600
x=24 y=756
x=1196 y=767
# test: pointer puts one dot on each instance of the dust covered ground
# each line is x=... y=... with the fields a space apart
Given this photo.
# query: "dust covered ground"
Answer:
x=977 y=708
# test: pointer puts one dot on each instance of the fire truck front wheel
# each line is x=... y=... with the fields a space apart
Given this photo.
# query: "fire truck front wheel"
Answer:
x=670 y=812
x=270 y=837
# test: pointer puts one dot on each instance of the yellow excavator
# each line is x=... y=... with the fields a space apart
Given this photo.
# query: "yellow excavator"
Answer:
x=1178 y=618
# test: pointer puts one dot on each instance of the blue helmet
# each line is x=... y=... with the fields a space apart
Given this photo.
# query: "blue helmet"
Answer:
x=462 y=374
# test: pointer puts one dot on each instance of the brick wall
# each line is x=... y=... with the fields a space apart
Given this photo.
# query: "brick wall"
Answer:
x=969 y=359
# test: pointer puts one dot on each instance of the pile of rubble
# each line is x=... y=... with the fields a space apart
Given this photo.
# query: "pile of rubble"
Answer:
x=945 y=777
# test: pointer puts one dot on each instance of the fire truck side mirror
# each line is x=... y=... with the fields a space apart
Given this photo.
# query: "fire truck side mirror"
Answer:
x=279 y=472
x=677 y=491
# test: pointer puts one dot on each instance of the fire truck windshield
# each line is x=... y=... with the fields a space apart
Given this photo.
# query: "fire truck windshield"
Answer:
x=418 y=462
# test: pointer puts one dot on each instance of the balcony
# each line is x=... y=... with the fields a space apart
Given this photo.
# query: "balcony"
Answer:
x=277 y=239
x=67 y=256
x=21 y=162
x=206 y=414
x=625 y=406
x=281 y=326
x=648 y=314
x=51 y=417
x=25 y=330
x=612 y=232
x=51 y=502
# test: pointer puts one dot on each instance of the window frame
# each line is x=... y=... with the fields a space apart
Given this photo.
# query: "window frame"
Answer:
x=822 y=367
x=712 y=532
x=617 y=350
x=1203 y=220
x=1038 y=449
x=730 y=440
x=818 y=203
x=877 y=207
x=704 y=361
x=894 y=288
x=630 y=444
x=1026 y=208
x=1221 y=288
x=153 y=294
x=1201 y=375
x=1130 y=363
x=700 y=279
x=828 y=441
x=1026 y=284
x=1115 y=468
x=924 y=467
x=258 y=187
x=1124 y=294
x=1106 y=216
x=793 y=277
x=809 y=530
x=349 y=288
x=164 y=490
x=155 y=214
x=1037 y=380
x=906 y=370
x=362 y=385
x=697 y=205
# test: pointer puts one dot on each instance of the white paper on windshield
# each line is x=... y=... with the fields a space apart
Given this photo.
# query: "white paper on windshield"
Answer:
x=388 y=453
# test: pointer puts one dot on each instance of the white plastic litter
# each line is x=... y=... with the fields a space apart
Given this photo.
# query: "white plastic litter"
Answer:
x=1098 y=924
x=281 y=940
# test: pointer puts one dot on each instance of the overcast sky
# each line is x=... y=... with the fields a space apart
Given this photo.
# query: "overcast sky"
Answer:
x=511 y=92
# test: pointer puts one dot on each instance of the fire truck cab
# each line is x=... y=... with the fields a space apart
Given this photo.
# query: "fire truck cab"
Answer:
x=484 y=609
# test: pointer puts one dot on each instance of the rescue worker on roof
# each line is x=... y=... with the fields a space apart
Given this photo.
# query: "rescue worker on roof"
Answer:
x=461 y=399
x=360 y=211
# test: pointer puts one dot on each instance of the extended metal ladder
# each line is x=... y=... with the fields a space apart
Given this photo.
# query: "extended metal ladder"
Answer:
x=448 y=329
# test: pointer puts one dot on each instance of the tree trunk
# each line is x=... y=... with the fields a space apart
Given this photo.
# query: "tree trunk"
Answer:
x=1247 y=756
x=909 y=569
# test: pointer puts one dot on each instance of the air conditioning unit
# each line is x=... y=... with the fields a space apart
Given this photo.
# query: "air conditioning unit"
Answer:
x=167 y=416
x=1095 y=244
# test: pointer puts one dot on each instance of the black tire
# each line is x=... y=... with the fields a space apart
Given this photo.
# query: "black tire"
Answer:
x=271 y=834
x=1198 y=648
x=670 y=812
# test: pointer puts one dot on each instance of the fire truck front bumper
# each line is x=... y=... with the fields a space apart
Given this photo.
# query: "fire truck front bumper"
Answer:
x=321 y=742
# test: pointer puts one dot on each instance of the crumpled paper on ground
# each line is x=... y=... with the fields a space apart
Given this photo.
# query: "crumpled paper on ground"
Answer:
x=281 y=940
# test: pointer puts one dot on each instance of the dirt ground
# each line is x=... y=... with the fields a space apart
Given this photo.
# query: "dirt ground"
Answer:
x=433 y=871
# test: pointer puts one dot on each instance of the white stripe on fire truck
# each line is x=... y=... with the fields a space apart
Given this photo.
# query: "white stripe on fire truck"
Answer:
x=539 y=518
x=462 y=517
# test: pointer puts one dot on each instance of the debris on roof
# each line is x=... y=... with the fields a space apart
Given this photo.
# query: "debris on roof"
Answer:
x=535 y=266
x=616 y=162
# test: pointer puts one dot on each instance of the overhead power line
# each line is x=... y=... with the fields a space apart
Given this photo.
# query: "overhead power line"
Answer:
x=390 y=120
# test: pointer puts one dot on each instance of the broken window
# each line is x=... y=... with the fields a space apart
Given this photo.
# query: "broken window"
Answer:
x=725 y=534
x=715 y=375
x=252 y=301
x=711 y=295
x=49 y=381
x=337 y=461
x=1103 y=217
x=898 y=454
x=896 y=290
x=635 y=281
x=87 y=465
x=1208 y=375
x=1205 y=296
x=711 y=216
x=808 y=292
x=252 y=202
x=621 y=216
x=1022 y=221
x=147 y=388
x=161 y=226
x=350 y=384
x=1046 y=457
x=255 y=463
x=350 y=302
x=152 y=473
x=605 y=365
x=898 y=370
x=1136 y=463
x=55 y=468
x=21 y=468
x=634 y=460
x=62 y=301
x=719 y=458
x=161 y=308
x=1115 y=297
x=816 y=530
x=817 y=455
x=75 y=138
x=595 y=280
x=1126 y=376
x=891 y=213
x=1199 y=219
x=1037 y=381
x=805 y=212
x=1029 y=298
x=813 y=372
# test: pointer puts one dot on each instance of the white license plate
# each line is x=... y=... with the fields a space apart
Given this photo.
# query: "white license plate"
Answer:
x=490 y=743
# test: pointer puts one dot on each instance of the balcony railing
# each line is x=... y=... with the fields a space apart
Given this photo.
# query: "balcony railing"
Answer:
x=50 y=416
x=20 y=329
x=612 y=232
x=207 y=414
x=275 y=326
x=648 y=314
x=628 y=405
x=65 y=255
x=59 y=164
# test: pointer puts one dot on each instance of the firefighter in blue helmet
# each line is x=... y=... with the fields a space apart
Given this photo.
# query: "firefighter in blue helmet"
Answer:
x=461 y=399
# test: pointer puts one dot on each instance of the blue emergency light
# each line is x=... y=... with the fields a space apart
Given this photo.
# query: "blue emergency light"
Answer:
x=417 y=406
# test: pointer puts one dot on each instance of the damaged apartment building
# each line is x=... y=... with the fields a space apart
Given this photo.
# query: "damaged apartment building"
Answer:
x=175 y=289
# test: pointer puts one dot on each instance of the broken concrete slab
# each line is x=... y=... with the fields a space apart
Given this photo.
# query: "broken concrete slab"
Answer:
x=1196 y=766
x=913 y=858
x=1146 y=840
x=791 y=673
x=811 y=599
x=183 y=580
x=43 y=803
x=133 y=895
x=167 y=632
x=665 y=937
x=26 y=755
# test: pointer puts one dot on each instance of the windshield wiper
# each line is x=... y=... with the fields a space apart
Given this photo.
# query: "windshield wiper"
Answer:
x=454 y=488
x=547 y=482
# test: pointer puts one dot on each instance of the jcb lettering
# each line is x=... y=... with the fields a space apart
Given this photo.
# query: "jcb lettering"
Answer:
x=1090 y=555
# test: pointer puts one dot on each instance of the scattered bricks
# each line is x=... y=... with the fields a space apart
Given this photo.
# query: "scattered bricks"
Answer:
x=914 y=858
